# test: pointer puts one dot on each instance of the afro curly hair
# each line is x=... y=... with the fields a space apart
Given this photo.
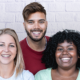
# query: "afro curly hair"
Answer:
x=49 y=53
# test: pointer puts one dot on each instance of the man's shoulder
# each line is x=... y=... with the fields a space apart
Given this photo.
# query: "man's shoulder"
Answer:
x=23 y=41
x=47 y=37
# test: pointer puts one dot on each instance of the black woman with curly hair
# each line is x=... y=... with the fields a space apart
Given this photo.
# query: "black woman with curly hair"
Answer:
x=61 y=57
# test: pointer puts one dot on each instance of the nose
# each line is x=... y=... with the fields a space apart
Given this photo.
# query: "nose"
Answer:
x=6 y=49
x=65 y=52
x=36 y=25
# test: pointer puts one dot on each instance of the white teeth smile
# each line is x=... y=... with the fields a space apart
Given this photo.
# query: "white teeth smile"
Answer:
x=65 y=58
x=36 y=32
x=6 y=55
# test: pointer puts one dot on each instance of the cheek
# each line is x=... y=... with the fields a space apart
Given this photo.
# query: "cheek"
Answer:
x=1 y=50
x=74 y=55
x=57 y=54
x=43 y=27
x=14 y=51
x=28 y=27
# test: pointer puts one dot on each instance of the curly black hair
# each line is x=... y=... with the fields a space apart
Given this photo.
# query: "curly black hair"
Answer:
x=49 y=54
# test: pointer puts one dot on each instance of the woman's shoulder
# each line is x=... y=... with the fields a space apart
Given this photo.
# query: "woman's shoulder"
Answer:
x=27 y=75
x=78 y=77
x=44 y=71
x=43 y=74
x=27 y=72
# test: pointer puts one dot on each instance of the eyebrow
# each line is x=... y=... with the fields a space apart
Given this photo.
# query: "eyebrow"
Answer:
x=29 y=20
x=67 y=46
x=9 y=43
x=13 y=43
x=39 y=20
x=42 y=20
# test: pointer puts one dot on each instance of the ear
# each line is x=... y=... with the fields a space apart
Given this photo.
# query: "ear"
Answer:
x=24 y=25
x=46 y=23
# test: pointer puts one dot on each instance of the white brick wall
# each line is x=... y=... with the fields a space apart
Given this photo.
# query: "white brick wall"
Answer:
x=7 y=17
x=64 y=16
x=61 y=14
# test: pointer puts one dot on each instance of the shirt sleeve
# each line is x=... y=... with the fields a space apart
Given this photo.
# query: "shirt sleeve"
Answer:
x=43 y=74
x=28 y=75
x=38 y=76
x=31 y=78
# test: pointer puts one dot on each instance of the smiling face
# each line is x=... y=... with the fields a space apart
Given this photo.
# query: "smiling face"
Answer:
x=66 y=55
x=7 y=49
x=36 y=26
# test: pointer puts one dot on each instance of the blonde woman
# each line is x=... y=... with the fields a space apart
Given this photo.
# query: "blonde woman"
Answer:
x=11 y=60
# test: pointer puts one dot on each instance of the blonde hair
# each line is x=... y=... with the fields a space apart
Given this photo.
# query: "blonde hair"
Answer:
x=19 y=63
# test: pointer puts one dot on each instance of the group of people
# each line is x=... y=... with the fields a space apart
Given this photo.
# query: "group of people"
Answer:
x=39 y=57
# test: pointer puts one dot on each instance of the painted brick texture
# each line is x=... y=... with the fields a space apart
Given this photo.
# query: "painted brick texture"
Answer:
x=61 y=14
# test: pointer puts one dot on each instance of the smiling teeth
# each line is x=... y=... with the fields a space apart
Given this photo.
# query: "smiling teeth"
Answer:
x=65 y=58
x=36 y=32
x=5 y=55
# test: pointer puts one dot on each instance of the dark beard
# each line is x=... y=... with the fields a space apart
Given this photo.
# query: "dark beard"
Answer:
x=35 y=40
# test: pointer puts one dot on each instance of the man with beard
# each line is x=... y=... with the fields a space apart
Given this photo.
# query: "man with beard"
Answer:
x=34 y=44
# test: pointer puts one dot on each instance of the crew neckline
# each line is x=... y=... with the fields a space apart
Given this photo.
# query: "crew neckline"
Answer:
x=35 y=50
x=1 y=78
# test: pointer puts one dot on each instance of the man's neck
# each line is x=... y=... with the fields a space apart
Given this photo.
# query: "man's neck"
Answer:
x=37 y=46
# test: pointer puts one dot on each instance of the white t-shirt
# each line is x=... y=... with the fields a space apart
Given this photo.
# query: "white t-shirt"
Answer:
x=25 y=75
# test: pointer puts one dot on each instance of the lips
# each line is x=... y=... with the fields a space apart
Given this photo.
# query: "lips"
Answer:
x=36 y=33
x=65 y=59
x=5 y=55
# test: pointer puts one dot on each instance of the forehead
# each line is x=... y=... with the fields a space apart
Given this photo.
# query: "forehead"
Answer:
x=66 y=43
x=36 y=16
x=6 y=38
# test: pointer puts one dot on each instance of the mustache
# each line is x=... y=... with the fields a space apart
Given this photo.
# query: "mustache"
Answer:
x=36 y=30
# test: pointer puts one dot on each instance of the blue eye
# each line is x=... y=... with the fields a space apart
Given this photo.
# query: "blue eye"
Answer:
x=12 y=46
x=1 y=45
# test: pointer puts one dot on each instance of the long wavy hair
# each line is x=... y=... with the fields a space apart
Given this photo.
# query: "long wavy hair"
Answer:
x=19 y=63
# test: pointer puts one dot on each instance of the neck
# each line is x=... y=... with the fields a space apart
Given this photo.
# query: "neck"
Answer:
x=37 y=46
x=67 y=73
x=6 y=71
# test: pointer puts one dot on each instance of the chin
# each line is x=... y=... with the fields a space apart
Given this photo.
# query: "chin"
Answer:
x=36 y=39
x=66 y=67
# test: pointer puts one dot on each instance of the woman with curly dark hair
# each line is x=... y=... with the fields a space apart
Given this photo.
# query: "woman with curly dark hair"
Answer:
x=61 y=57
